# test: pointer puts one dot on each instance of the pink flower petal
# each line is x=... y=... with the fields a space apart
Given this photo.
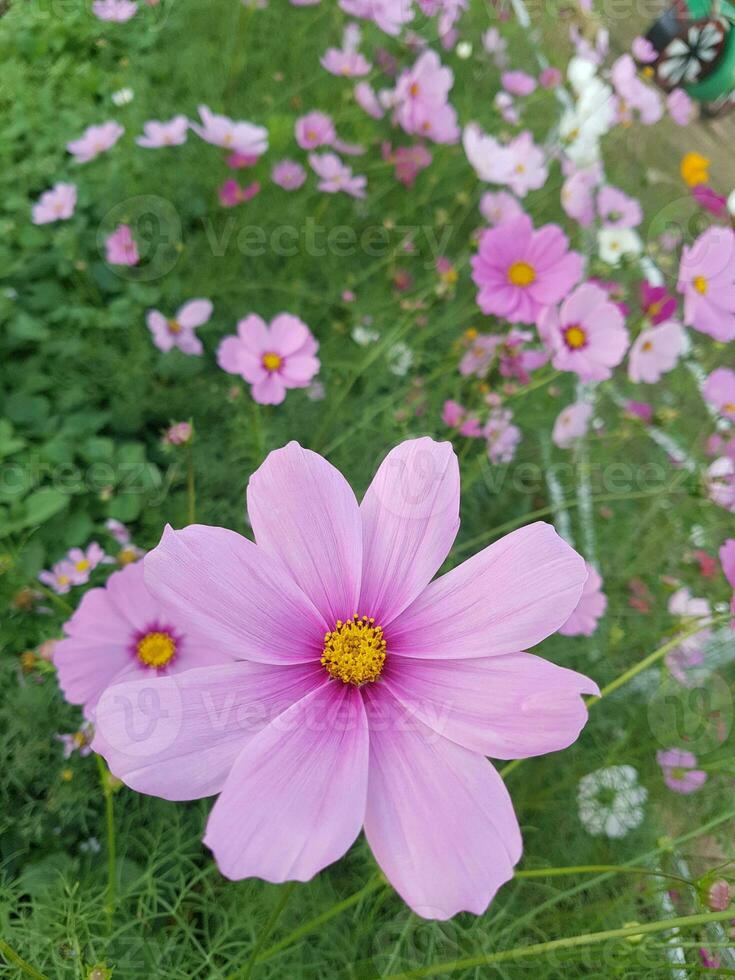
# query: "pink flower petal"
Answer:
x=507 y=707
x=287 y=334
x=269 y=390
x=194 y=313
x=178 y=736
x=439 y=819
x=304 y=513
x=507 y=598
x=235 y=592
x=295 y=799
x=410 y=517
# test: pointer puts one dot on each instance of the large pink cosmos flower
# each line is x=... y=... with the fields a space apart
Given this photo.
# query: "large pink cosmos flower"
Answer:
x=707 y=280
x=121 y=632
x=366 y=694
x=586 y=335
x=271 y=358
x=178 y=331
x=520 y=271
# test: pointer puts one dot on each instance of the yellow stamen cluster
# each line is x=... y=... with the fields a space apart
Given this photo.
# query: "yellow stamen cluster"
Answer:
x=575 y=337
x=82 y=565
x=174 y=327
x=156 y=649
x=271 y=362
x=354 y=652
x=700 y=284
x=521 y=274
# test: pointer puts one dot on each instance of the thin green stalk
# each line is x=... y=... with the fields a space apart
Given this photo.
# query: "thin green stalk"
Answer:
x=377 y=882
x=110 y=826
x=258 y=434
x=56 y=599
x=569 y=942
x=581 y=869
x=191 y=491
x=275 y=915
x=12 y=957
x=237 y=61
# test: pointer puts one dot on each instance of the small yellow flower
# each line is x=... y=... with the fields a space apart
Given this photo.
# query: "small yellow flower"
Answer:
x=694 y=169
x=27 y=661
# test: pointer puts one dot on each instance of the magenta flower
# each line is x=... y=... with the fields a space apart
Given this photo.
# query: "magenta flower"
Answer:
x=121 y=632
x=118 y=11
x=288 y=174
x=179 y=330
x=241 y=137
x=680 y=772
x=707 y=280
x=656 y=351
x=586 y=335
x=95 y=140
x=335 y=176
x=271 y=358
x=239 y=161
x=231 y=193
x=409 y=161
x=656 y=302
x=518 y=82
x=172 y=132
x=571 y=424
x=550 y=78
x=520 y=271
x=719 y=391
x=314 y=130
x=617 y=210
x=497 y=208
x=56 y=204
x=590 y=608
x=120 y=247
x=710 y=200
x=357 y=672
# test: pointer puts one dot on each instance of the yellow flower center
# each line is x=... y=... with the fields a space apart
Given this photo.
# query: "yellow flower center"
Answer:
x=82 y=565
x=700 y=284
x=63 y=580
x=271 y=362
x=414 y=90
x=174 y=327
x=655 y=308
x=126 y=556
x=647 y=345
x=728 y=407
x=520 y=169
x=521 y=274
x=678 y=773
x=156 y=649
x=575 y=337
x=354 y=652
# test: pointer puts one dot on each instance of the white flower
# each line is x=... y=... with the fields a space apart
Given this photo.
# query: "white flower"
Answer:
x=610 y=801
x=364 y=335
x=400 y=358
x=580 y=71
x=614 y=243
x=123 y=96
x=731 y=203
x=464 y=50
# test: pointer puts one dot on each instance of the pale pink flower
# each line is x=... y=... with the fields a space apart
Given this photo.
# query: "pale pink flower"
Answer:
x=314 y=130
x=720 y=480
x=421 y=98
x=727 y=560
x=178 y=434
x=95 y=140
x=490 y=160
x=590 y=608
x=520 y=271
x=84 y=561
x=586 y=335
x=272 y=358
x=347 y=60
x=388 y=15
x=118 y=11
x=643 y=51
x=527 y=168
x=571 y=424
x=239 y=136
x=707 y=280
x=499 y=207
x=288 y=174
x=680 y=106
x=355 y=671
x=617 y=210
x=178 y=331
x=550 y=77
x=634 y=95
x=501 y=436
x=56 y=204
x=335 y=176
x=120 y=247
x=518 y=82
x=172 y=132
x=680 y=772
x=719 y=896
x=506 y=106
x=578 y=196
x=719 y=391
x=409 y=161
x=495 y=45
x=368 y=101
x=479 y=356
x=656 y=351
x=61 y=577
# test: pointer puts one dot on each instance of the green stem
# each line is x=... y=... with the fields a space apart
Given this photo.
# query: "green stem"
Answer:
x=377 y=882
x=110 y=825
x=237 y=63
x=12 y=957
x=599 y=869
x=258 y=434
x=56 y=599
x=569 y=942
x=275 y=915
x=191 y=492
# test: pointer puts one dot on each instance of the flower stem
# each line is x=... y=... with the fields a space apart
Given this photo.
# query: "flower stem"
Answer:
x=599 y=869
x=377 y=882
x=244 y=974
x=191 y=491
x=56 y=599
x=568 y=942
x=12 y=957
x=110 y=824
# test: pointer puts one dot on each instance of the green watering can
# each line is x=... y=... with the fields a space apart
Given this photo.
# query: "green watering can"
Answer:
x=695 y=45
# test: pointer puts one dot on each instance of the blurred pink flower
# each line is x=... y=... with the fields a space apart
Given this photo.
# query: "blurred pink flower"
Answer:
x=368 y=101
x=656 y=351
x=56 y=204
x=571 y=424
x=680 y=772
x=421 y=97
x=314 y=130
x=578 y=195
x=388 y=15
x=719 y=391
x=231 y=193
x=634 y=94
x=520 y=271
x=656 y=302
x=120 y=247
x=114 y=10
x=239 y=136
x=586 y=335
x=179 y=330
x=527 y=167
x=84 y=561
x=178 y=434
x=720 y=480
x=643 y=51
x=518 y=82
x=499 y=207
x=590 y=608
x=641 y=410
x=272 y=358
x=95 y=140
x=479 y=356
x=347 y=60
x=719 y=895
x=550 y=77
x=409 y=161
x=335 y=176
x=172 y=132
x=617 y=210
x=61 y=577
x=288 y=174
x=710 y=200
x=680 y=106
x=501 y=436
x=707 y=280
